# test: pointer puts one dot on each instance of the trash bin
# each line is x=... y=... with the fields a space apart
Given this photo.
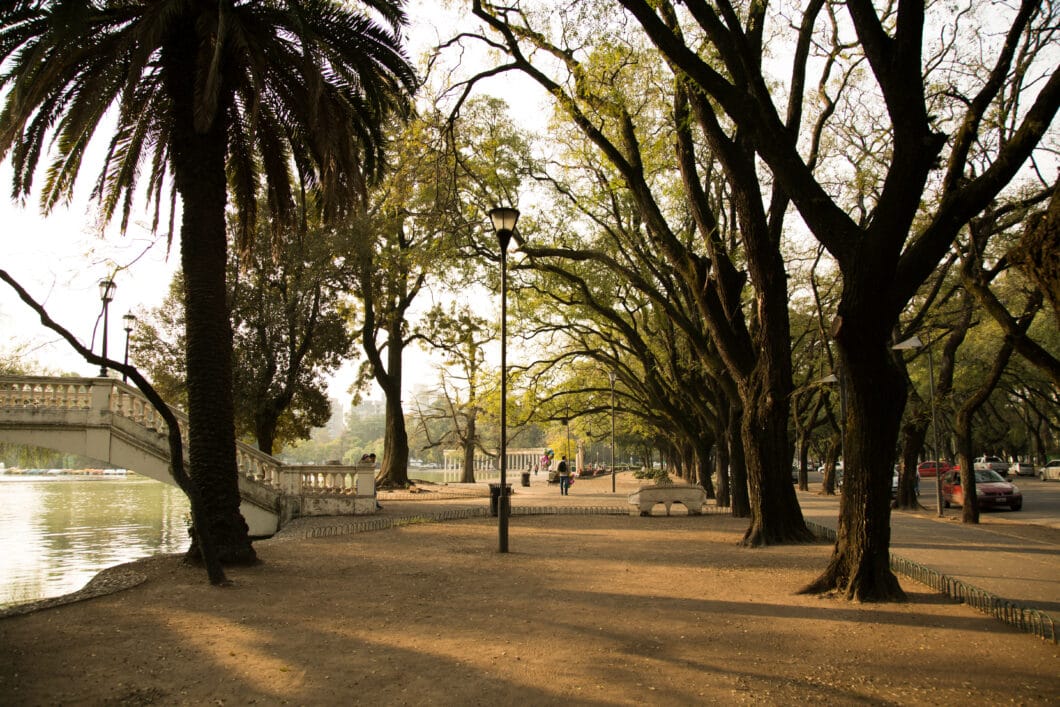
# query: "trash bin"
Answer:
x=526 y=478
x=495 y=494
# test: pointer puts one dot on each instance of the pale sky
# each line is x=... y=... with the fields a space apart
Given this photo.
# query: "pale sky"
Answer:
x=60 y=259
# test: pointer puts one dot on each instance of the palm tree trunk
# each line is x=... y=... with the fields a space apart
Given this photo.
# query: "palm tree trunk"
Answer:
x=199 y=168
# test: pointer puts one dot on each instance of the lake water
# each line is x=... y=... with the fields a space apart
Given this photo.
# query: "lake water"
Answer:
x=57 y=532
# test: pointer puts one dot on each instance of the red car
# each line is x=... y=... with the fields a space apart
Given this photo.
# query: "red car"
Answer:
x=933 y=468
x=991 y=490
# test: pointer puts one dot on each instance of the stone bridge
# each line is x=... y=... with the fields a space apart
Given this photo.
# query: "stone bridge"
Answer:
x=110 y=421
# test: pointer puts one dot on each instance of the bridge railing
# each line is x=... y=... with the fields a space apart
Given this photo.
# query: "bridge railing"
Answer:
x=328 y=480
x=123 y=400
x=42 y=392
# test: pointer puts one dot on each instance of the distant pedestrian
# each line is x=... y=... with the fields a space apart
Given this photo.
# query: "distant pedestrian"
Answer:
x=564 y=476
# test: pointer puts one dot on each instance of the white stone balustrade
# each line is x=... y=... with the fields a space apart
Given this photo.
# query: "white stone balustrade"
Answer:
x=98 y=403
x=335 y=480
x=39 y=392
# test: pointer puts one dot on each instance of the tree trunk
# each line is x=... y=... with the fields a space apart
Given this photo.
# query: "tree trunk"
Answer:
x=766 y=392
x=860 y=565
x=963 y=428
x=721 y=468
x=468 y=475
x=265 y=430
x=831 y=456
x=803 y=453
x=741 y=504
x=803 y=441
x=199 y=169
x=394 y=469
x=703 y=469
x=963 y=432
x=775 y=513
x=686 y=468
x=914 y=432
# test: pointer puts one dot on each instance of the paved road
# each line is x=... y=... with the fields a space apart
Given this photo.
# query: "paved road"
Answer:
x=1041 y=502
x=1019 y=562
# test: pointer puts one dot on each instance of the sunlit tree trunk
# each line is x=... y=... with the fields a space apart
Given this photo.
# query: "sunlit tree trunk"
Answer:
x=831 y=455
x=467 y=476
x=394 y=467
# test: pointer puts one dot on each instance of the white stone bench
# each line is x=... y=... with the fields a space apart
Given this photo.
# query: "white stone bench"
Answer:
x=644 y=499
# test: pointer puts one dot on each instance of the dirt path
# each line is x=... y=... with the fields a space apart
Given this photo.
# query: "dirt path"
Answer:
x=584 y=610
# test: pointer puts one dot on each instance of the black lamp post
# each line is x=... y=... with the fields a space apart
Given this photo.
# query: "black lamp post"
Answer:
x=128 y=319
x=611 y=377
x=106 y=293
x=504 y=220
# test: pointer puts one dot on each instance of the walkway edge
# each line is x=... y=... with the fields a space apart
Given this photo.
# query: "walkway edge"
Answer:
x=1024 y=618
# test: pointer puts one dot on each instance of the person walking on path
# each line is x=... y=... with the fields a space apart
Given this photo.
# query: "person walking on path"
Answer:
x=564 y=476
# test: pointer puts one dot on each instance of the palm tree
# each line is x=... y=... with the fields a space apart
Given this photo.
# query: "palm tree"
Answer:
x=212 y=98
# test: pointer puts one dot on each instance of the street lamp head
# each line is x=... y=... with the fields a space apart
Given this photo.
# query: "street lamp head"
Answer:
x=106 y=290
x=913 y=342
x=611 y=375
x=129 y=319
x=504 y=219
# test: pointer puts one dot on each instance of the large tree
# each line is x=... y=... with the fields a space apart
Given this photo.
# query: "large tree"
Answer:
x=288 y=331
x=420 y=228
x=943 y=133
x=222 y=97
x=461 y=338
x=697 y=206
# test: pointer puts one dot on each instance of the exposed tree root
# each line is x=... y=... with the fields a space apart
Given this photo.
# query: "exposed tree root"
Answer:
x=870 y=585
x=757 y=536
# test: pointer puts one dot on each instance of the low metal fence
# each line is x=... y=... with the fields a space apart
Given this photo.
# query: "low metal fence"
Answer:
x=1024 y=618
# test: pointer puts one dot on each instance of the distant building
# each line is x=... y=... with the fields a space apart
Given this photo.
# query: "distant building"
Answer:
x=337 y=422
x=368 y=408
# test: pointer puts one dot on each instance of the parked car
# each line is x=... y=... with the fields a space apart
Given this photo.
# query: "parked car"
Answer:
x=996 y=464
x=894 y=484
x=991 y=490
x=1051 y=471
x=1021 y=469
x=932 y=468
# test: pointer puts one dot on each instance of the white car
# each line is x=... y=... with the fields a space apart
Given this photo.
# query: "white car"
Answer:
x=1051 y=471
x=997 y=464
x=894 y=484
x=1021 y=469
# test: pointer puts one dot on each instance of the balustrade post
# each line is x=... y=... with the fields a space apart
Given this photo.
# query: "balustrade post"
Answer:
x=365 y=483
x=290 y=481
x=100 y=395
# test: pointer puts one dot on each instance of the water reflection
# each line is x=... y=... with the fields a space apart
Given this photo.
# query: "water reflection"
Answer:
x=57 y=532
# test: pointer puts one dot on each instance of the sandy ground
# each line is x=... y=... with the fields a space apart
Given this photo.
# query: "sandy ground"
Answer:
x=583 y=610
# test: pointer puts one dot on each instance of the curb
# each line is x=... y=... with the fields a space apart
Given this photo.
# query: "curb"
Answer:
x=1025 y=618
